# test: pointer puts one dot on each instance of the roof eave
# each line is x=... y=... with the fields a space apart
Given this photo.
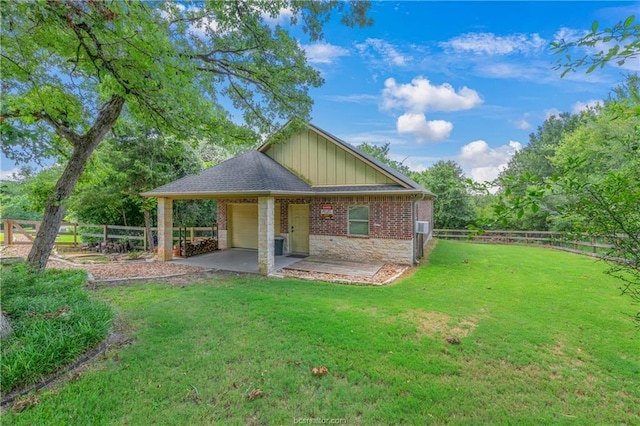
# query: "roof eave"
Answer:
x=210 y=195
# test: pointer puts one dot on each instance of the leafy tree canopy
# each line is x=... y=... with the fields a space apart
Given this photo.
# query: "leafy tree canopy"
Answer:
x=15 y=203
x=72 y=68
x=619 y=43
x=453 y=209
x=535 y=160
x=381 y=152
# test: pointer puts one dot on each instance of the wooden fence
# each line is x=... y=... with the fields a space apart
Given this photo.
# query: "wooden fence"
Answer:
x=73 y=234
x=589 y=246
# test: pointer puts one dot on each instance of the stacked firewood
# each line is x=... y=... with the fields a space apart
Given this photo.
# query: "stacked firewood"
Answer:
x=109 y=247
x=206 y=245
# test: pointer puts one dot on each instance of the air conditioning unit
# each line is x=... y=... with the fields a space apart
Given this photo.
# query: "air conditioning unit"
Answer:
x=422 y=227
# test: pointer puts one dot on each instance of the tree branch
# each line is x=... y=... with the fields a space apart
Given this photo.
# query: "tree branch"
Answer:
x=62 y=130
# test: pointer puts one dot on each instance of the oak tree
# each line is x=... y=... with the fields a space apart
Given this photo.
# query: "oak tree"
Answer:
x=71 y=68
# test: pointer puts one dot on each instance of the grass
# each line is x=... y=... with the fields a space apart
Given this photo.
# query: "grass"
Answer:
x=68 y=239
x=54 y=321
x=59 y=238
x=545 y=338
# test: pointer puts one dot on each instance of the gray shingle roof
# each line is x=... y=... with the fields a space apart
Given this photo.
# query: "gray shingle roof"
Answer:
x=250 y=172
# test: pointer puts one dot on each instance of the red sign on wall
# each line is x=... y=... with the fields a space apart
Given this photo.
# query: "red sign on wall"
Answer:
x=326 y=211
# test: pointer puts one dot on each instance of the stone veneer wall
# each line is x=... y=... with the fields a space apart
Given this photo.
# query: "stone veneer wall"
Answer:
x=222 y=239
x=362 y=249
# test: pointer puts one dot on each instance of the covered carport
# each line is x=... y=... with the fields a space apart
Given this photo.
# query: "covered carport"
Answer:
x=255 y=181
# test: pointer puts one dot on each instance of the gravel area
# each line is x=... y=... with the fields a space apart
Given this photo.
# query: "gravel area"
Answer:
x=111 y=270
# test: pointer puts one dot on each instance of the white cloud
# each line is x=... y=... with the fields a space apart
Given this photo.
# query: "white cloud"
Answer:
x=578 y=107
x=323 y=53
x=203 y=27
x=385 y=50
x=491 y=44
x=548 y=113
x=519 y=71
x=283 y=15
x=199 y=25
x=417 y=124
x=170 y=10
x=522 y=124
x=421 y=96
x=483 y=163
x=9 y=174
x=568 y=35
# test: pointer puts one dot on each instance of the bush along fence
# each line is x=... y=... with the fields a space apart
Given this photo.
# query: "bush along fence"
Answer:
x=596 y=247
x=189 y=241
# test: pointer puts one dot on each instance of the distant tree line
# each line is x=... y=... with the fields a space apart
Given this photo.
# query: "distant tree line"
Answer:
x=589 y=146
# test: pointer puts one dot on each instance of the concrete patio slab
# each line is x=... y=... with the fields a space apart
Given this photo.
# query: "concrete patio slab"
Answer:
x=235 y=259
x=330 y=266
x=246 y=260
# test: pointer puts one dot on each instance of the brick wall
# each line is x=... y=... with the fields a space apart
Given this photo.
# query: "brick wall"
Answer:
x=424 y=212
x=223 y=208
x=390 y=217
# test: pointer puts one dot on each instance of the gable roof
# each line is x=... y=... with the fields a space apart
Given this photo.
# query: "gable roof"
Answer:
x=254 y=173
x=377 y=163
x=395 y=176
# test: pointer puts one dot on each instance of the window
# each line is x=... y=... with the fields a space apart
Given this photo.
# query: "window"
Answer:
x=358 y=220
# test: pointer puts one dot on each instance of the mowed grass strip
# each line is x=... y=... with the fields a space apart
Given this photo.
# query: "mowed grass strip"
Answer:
x=545 y=337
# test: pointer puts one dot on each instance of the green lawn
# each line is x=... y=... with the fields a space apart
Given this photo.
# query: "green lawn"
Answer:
x=59 y=238
x=546 y=338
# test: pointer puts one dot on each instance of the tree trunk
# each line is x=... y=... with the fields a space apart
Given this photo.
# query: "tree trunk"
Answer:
x=147 y=225
x=5 y=327
x=83 y=147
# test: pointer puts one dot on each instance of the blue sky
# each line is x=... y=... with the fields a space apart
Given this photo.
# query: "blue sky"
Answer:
x=466 y=81
x=463 y=81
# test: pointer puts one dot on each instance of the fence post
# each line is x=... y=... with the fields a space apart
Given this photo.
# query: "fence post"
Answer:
x=191 y=234
x=593 y=244
x=8 y=234
x=75 y=235
x=144 y=239
x=105 y=234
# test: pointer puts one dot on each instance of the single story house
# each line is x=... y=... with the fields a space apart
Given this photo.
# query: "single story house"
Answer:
x=322 y=195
